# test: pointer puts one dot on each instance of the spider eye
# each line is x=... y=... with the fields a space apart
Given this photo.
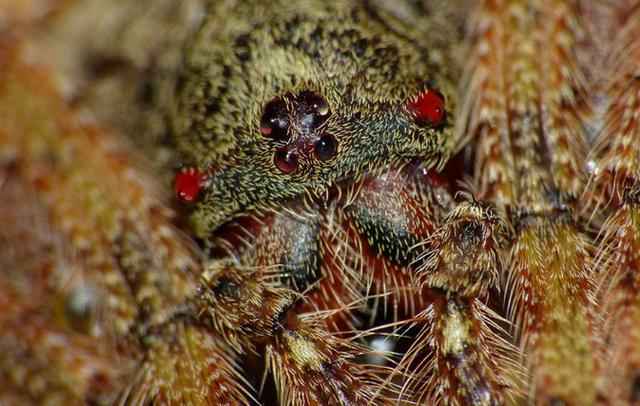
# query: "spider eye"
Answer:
x=286 y=160
x=315 y=104
x=427 y=109
x=326 y=147
x=274 y=121
x=188 y=185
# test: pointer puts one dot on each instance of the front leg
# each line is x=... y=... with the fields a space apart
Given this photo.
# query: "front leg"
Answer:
x=193 y=358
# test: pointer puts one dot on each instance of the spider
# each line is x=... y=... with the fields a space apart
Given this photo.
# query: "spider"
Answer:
x=236 y=203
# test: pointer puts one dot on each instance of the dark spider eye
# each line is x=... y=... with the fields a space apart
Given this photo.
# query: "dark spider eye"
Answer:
x=188 y=185
x=286 y=160
x=274 y=121
x=314 y=107
x=428 y=108
x=326 y=147
x=315 y=104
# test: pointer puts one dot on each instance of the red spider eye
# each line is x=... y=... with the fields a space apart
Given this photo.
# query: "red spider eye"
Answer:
x=427 y=109
x=188 y=185
x=286 y=160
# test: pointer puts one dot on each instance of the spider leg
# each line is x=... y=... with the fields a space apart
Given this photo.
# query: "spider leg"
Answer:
x=90 y=253
x=461 y=356
x=530 y=161
x=185 y=363
x=310 y=365
x=615 y=185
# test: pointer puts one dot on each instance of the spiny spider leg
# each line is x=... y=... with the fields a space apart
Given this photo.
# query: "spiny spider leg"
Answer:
x=461 y=356
x=530 y=162
x=615 y=184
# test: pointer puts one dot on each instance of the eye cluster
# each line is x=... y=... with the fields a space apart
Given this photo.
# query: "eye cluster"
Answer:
x=295 y=121
x=294 y=124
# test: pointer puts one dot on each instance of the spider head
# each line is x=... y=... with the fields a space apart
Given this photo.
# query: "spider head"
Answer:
x=275 y=115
